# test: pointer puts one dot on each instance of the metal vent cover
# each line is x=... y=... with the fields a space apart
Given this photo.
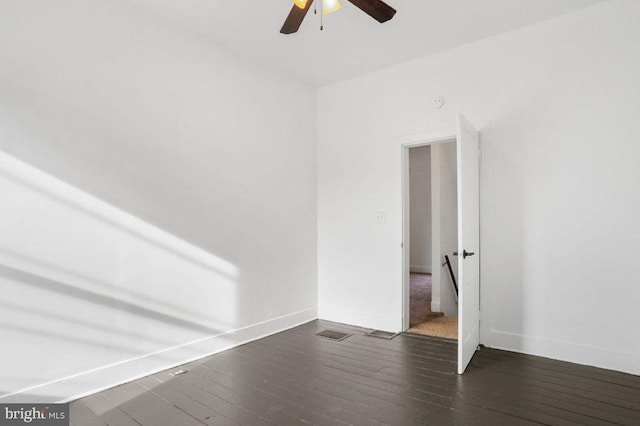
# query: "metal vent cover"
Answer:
x=333 y=335
x=381 y=334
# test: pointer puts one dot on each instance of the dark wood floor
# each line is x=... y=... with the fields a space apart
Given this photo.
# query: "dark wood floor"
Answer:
x=296 y=377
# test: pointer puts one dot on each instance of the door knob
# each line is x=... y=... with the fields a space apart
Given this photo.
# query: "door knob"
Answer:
x=465 y=254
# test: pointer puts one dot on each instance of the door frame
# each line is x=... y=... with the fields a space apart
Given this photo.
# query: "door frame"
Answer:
x=415 y=140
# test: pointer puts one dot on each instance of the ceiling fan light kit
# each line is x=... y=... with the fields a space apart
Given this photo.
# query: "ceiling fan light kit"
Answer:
x=300 y=3
x=329 y=6
x=377 y=9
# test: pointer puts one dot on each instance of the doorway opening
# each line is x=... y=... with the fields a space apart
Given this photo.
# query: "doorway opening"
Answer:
x=466 y=140
x=433 y=239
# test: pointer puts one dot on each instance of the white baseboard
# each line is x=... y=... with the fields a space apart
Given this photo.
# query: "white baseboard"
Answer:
x=361 y=319
x=435 y=307
x=90 y=382
x=564 y=351
x=418 y=269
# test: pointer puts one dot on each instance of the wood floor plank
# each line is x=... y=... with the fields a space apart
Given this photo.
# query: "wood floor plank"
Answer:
x=149 y=409
x=330 y=353
x=236 y=413
x=572 y=383
x=298 y=378
x=185 y=403
x=533 y=383
x=536 y=415
x=554 y=395
x=312 y=410
x=341 y=394
x=389 y=389
x=349 y=349
x=367 y=345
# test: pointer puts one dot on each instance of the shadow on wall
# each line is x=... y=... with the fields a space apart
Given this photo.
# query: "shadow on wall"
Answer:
x=49 y=285
x=54 y=326
x=101 y=288
x=87 y=286
x=502 y=253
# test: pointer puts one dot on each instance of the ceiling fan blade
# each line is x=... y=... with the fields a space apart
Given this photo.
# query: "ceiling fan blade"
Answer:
x=295 y=18
x=377 y=9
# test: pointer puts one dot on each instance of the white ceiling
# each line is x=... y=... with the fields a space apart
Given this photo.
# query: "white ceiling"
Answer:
x=352 y=43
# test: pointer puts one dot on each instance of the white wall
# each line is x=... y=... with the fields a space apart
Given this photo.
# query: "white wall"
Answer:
x=445 y=224
x=420 y=208
x=171 y=129
x=556 y=103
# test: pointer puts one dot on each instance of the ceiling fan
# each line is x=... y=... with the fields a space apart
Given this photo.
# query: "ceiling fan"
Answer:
x=377 y=9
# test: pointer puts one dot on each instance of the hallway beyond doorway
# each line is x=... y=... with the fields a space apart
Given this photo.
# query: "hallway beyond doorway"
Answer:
x=423 y=320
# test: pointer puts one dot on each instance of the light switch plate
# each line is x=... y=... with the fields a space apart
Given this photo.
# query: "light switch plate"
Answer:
x=381 y=217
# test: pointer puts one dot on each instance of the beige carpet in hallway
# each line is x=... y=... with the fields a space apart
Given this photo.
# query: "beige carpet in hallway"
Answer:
x=423 y=320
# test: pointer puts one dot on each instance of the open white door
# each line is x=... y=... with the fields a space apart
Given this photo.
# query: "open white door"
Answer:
x=468 y=242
